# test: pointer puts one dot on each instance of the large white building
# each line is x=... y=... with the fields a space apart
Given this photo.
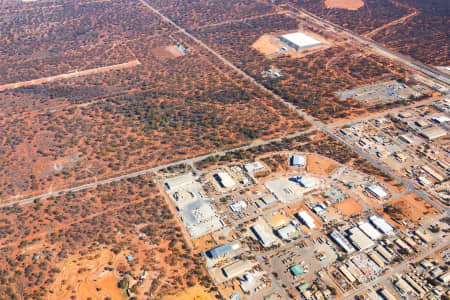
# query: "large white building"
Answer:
x=377 y=191
x=381 y=224
x=298 y=40
x=298 y=161
x=342 y=242
x=306 y=219
x=359 y=239
x=254 y=167
x=370 y=231
x=286 y=232
x=225 y=179
x=265 y=236
x=237 y=268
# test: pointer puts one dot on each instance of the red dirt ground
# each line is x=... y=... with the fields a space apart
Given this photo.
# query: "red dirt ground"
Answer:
x=345 y=4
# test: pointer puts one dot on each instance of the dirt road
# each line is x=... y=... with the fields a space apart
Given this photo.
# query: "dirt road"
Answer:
x=42 y=80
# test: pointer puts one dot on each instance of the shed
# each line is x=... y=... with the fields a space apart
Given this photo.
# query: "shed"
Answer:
x=287 y=231
x=298 y=161
x=219 y=251
x=370 y=231
x=306 y=219
x=225 y=179
x=266 y=237
x=303 y=287
x=359 y=239
x=237 y=268
x=377 y=191
x=297 y=270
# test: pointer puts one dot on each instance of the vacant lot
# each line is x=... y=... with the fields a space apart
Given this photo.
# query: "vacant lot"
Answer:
x=78 y=242
x=409 y=208
x=320 y=165
x=345 y=4
x=349 y=207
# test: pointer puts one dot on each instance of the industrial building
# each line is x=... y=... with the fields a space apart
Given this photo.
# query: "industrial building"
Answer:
x=298 y=40
x=298 y=161
x=419 y=290
x=359 y=239
x=441 y=119
x=344 y=270
x=238 y=206
x=385 y=253
x=225 y=179
x=287 y=231
x=370 y=231
x=377 y=191
x=223 y=250
x=297 y=270
x=266 y=237
x=386 y=294
x=381 y=224
x=319 y=209
x=425 y=237
x=411 y=243
x=433 y=133
x=342 y=242
x=236 y=269
x=377 y=259
x=178 y=182
x=445 y=277
x=306 y=219
x=403 y=245
x=433 y=173
x=404 y=287
x=254 y=167
x=306 y=182
x=269 y=199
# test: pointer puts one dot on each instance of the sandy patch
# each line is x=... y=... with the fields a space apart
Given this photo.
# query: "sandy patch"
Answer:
x=166 y=52
x=85 y=277
x=349 y=207
x=345 y=4
x=409 y=208
x=268 y=45
x=320 y=165
x=196 y=292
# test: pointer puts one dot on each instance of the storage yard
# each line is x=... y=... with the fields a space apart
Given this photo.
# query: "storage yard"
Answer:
x=385 y=92
x=413 y=143
x=302 y=227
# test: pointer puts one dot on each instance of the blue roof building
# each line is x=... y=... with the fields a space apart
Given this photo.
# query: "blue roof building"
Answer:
x=219 y=251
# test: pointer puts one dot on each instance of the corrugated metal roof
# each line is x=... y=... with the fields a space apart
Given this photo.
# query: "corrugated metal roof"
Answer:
x=219 y=251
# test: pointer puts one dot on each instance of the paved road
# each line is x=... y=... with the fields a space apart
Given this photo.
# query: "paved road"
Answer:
x=414 y=64
x=386 y=52
x=384 y=112
x=396 y=269
x=410 y=186
x=189 y=161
